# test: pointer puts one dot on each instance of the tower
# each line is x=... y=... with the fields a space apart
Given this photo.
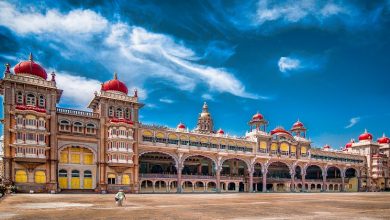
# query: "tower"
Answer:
x=30 y=146
x=118 y=154
x=205 y=122
x=298 y=129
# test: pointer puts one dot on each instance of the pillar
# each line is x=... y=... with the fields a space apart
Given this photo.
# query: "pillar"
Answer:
x=179 y=186
x=292 y=183
x=264 y=182
x=342 y=183
x=386 y=182
x=359 y=186
x=218 y=172
x=303 y=182
x=250 y=181
x=324 y=182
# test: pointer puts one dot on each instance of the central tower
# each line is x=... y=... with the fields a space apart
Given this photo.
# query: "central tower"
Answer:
x=205 y=122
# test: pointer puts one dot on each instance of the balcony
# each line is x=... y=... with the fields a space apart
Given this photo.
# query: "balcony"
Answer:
x=77 y=112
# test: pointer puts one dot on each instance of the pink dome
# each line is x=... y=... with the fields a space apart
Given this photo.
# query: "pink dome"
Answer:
x=220 y=131
x=365 y=136
x=114 y=85
x=31 y=68
x=181 y=126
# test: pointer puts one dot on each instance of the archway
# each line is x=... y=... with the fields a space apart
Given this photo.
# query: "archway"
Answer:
x=231 y=186
x=351 y=176
x=198 y=165
x=278 y=173
x=188 y=186
x=211 y=187
x=146 y=186
x=199 y=186
x=160 y=186
x=234 y=167
x=241 y=187
x=156 y=163
x=257 y=178
x=313 y=172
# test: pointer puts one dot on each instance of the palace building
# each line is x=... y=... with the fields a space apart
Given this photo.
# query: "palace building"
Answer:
x=53 y=149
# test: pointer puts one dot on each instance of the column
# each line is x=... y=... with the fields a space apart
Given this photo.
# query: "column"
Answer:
x=343 y=183
x=292 y=182
x=218 y=172
x=303 y=182
x=250 y=181
x=359 y=184
x=264 y=182
x=179 y=188
x=386 y=182
x=324 y=182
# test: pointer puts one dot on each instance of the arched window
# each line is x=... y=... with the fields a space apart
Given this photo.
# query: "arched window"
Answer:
x=127 y=113
x=119 y=113
x=19 y=98
x=87 y=174
x=21 y=176
x=40 y=177
x=63 y=173
x=111 y=111
x=63 y=179
x=42 y=101
x=41 y=123
x=31 y=100
x=91 y=128
x=111 y=178
x=64 y=125
x=78 y=127
x=75 y=173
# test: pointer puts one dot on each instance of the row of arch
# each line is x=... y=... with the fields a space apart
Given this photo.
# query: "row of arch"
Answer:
x=30 y=99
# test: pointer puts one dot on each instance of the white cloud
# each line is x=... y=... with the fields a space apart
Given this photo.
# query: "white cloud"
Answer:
x=296 y=11
x=75 y=22
x=353 y=122
x=137 y=54
x=78 y=90
x=286 y=64
x=165 y=100
x=207 y=97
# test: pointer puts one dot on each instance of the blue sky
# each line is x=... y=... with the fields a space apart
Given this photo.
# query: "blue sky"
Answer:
x=326 y=63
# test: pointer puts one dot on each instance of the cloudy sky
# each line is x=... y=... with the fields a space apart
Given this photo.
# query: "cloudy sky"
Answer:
x=326 y=63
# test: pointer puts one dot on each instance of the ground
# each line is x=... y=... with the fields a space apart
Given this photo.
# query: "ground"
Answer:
x=198 y=206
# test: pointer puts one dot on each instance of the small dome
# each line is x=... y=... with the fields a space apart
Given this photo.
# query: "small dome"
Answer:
x=349 y=144
x=298 y=124
x=181 y=126
x=257 y=116
x=327 y=146
x=280 y=130
x=384 y=140
x=365 y=136
x=114 y=85
x=220 y=131
x=30 y=67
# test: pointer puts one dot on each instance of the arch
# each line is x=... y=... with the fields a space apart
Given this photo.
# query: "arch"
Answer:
x=212 y=186
x=88 y=154
x=333 y=172
x=350 y=172
x=199 y=186
x=274 y=170
x=313 y=171
x=146 y=184
x=60 y=148
x=198 y=169
x=231 y=186
x=21 y=176
x=247 y=163
x=157 y=162
x=257 y=169
x=187 y=186
x=235 y=170
x=40 y=176
x=174 y=156
x=147 y=133
x=160 y=186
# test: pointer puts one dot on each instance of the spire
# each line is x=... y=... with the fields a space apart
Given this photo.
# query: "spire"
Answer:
x=30 y=57
x=53 y=76
x=365 y=131
x=115 y=75
x=205 y=108
x=7 y=67
x=135 y=93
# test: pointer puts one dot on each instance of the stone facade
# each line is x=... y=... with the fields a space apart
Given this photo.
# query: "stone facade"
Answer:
x=48 y=148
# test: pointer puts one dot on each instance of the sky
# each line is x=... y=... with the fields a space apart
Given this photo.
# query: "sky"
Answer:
x=325 y=63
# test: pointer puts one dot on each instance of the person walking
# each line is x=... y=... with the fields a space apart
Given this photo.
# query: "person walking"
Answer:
x=119 y=197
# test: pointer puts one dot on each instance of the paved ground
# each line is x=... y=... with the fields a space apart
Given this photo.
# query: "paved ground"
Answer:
x=199 y=206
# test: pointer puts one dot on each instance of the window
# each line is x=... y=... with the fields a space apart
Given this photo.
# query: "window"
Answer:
x=40 y=177
x=41 y=123
x=75 y=173
x=125 y=179
x=30 y=99
x=42 y=101
x=127 y=114
x=90 y=129
x=19 y=137
x=119 y=113
x=111 y=178
x=64 y=125
x=31 y=137
x=21 y=176
x=64 y=157
x=19 y=120
x=87 y=174
x=19 y=98
x=78 y=127
x=63 y=173
x=111 y=111
x=41 y=138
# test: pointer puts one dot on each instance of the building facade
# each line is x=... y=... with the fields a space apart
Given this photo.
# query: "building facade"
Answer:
x=51 y=149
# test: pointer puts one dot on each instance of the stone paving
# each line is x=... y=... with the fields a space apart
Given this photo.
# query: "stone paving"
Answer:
x=199 y=206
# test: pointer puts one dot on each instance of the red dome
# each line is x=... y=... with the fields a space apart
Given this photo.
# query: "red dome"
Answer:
x=327 y=147
x=349 y=144
x=220 y=131
x=257 y=116
x=298 y=124
x=30 y=67
x=181 y=126
x=365 y=136
x=384 y=140
x=114 y=85
x=280 y=130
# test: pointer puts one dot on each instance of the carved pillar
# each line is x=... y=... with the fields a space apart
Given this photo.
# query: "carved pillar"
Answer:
x=343 y=181
x=324 y=181
x=359 y=186
x=179 y=186
x=218 y=171
x=250 y=180
x=303 y=181
x=292 y=183
x=265 y=181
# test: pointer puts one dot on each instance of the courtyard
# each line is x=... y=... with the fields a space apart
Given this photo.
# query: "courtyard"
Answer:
x=198 y=206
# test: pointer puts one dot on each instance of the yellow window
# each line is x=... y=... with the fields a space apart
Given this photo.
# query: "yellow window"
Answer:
x=173 y=137
x=193 y=139
x=63 y=181
x=21 y=176
x=75 y=149
x=87 y=183
x=160 y=135
x=147 y=133
x=284 y=147
x=126 y=179
x=303 y=150
x=88 y=159
x=40 y=177
x=293 y=149
x=263 y=145
x=75 y=183
x=274 y=146
x=64 y=157
x=75 y=158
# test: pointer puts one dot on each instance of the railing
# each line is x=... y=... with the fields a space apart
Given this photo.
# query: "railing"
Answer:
x=77 y=112
x=158 y=175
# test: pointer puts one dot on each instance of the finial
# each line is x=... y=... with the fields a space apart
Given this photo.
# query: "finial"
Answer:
x=115 y=75
x=365 y=131
x=53 y=76
x=383 y=134
x=135 y=93
x=7 y=67
x=30 y=57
